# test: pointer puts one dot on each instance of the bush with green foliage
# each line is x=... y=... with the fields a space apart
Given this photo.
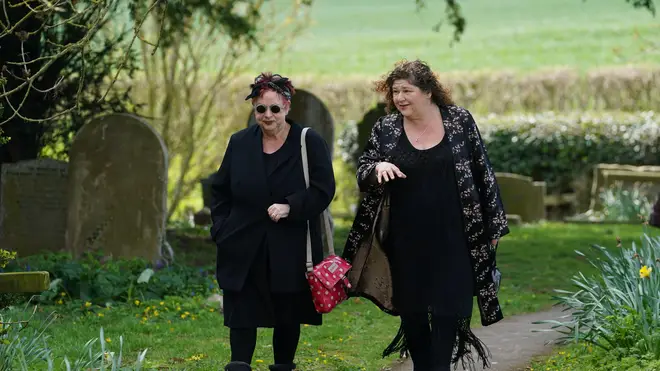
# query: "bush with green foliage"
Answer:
x=558 y=148
x=7 y=299
x=100 y=280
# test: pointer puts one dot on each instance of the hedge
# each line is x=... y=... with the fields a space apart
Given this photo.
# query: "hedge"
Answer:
x=627 y=88
x=558 y=148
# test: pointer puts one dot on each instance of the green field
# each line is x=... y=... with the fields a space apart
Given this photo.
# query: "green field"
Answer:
x=365 y=37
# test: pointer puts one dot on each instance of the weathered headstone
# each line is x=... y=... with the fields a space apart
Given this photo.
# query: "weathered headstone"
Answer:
x=33 y=199
x=308 y=110
x=117 y=189
x=364 y=127
x=522 y=196
x=654 y=218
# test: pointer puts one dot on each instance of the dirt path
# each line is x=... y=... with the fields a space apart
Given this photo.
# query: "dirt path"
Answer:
x=511 y=341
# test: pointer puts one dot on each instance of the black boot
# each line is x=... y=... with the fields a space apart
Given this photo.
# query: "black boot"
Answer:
x=238 y=366
x=282 y=367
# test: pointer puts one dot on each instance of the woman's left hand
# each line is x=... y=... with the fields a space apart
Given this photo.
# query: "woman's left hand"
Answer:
x=494 y=242
x=278 y=211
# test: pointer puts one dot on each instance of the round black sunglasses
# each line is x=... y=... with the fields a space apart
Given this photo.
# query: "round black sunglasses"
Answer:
x=260 y=108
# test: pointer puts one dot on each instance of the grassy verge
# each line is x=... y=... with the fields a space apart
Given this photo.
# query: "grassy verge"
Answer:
x=187 y=333
x=582 y=357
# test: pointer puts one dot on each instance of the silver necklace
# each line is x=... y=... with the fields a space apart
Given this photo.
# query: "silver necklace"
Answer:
x=422 y=134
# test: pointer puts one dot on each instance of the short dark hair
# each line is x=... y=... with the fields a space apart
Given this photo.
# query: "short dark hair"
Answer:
x=275 y=82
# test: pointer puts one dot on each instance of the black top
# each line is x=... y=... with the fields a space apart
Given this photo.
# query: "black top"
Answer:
x=428 y=254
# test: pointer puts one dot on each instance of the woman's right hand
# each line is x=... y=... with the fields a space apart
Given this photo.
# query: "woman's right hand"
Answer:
x=387 y=171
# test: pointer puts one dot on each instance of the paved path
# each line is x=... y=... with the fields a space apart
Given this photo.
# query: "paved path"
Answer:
x=511 y=341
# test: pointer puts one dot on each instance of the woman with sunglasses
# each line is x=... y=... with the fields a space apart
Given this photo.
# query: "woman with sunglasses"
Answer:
x=260 y=207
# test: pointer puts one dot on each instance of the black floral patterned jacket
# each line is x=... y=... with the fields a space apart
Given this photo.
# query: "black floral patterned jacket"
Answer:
x=483 y=212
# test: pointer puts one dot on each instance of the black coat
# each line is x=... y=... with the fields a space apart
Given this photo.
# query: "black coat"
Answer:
x=241 y=195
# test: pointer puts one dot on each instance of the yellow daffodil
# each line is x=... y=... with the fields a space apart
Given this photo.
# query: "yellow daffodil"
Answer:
x=645 y=272
x=88 y=304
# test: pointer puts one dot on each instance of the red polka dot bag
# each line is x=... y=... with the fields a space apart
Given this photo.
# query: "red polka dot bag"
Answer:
x=327 y=280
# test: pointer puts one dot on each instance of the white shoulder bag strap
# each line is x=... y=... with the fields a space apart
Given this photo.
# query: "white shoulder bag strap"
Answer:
x=324 y=215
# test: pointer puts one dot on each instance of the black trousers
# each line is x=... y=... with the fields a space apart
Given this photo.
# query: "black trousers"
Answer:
x=285 y=343
x=430 y=340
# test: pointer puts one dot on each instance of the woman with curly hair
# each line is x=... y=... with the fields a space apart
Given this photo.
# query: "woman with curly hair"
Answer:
x=260 y=207
x=424 y=238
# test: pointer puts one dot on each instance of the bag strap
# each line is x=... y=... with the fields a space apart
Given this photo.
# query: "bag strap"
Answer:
x=324 y=215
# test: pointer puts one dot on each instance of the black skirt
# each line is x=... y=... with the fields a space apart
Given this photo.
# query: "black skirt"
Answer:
x=257 y=306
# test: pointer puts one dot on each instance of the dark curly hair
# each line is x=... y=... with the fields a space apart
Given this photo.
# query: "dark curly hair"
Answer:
x=417 y=73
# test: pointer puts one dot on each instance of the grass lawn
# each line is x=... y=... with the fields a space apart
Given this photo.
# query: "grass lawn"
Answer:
x=187 y=334
x=366 y=37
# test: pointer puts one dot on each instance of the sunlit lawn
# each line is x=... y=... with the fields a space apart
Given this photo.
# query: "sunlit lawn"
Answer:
x=366 y=37
x=187 y=334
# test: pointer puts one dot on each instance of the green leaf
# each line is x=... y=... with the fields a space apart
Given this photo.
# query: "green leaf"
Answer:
x=145 y=275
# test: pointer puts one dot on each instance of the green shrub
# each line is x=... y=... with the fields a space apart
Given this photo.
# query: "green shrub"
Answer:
x=6 y=257
x=7 y=299
x=100 y=280
x=561 y=149
x=558 y=148
x=619 y=308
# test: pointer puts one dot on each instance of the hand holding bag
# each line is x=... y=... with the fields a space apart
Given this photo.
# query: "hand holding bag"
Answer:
x=327 y=280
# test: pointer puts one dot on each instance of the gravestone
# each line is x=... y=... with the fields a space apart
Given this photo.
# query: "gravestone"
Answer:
x=364 y=128
x=117 y=189
x=33 y=206
x=522 y=196
x=606 y=175
x=654 y=217
x=308 y=110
